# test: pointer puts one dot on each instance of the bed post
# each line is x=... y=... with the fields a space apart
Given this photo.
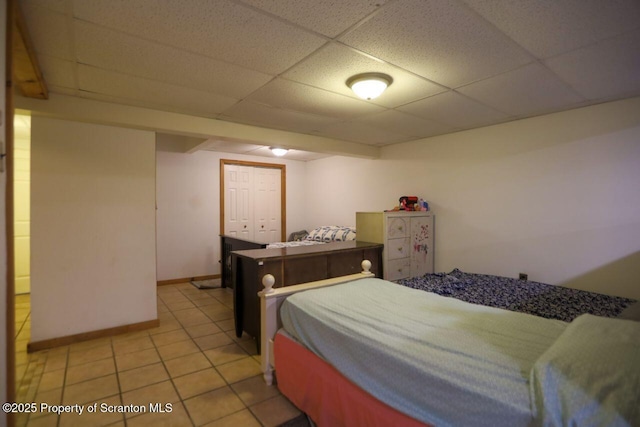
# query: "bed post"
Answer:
x=269 y=303
x=268 y=319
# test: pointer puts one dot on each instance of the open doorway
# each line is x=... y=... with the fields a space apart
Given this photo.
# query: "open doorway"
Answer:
x=21 y=246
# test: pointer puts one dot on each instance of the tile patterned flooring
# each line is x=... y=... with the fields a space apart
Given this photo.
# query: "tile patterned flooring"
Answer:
x=193 y=361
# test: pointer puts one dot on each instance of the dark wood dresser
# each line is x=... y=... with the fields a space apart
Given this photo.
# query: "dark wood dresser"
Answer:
x=291 y=266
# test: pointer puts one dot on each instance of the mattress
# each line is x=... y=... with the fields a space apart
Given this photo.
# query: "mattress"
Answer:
x=439 y=360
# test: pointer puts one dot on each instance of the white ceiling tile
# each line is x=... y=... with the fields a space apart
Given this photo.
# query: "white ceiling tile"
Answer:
x=223 y=30
x=613 y=67
x=155 y=94
x=63 y=90
x=298 y=97
x=50 y=32
x=230 y=146
x=278 y=118
x=259 y=150
x=328 y=17
x=551 y=27
x=442 y=41
x=455 y=110
x=406 y=124
x=273 y=63
x=364 y=133
x=532 y=89
x=61 y=6
x=304 y=156
x=58 y=72
x=330 y=67
x=115 y=51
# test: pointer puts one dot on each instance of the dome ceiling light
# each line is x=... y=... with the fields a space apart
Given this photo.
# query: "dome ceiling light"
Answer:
x=369 y=85
x=278 y=151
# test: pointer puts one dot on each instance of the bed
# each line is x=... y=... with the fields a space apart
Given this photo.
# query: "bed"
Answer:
x=419 y=358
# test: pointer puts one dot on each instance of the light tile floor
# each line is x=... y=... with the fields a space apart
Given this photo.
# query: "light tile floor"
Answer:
x=192 y=361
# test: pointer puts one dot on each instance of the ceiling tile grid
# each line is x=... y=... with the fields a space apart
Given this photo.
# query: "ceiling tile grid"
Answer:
x=531 y=89
x=319 y=70
x=115 y=51
x=605 y=70
x=327 y=17
x=456 y=110
x=455 y=64
x=550 y=27
x=286 y=94
x=406 y=125
x=225 y=30
x=266 y=116
x=441 y=40
x=158 y=95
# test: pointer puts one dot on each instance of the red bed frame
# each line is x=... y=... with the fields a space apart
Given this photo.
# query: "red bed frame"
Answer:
x=325 y=395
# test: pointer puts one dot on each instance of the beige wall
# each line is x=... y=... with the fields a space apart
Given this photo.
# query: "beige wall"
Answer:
x=555 y=196
x=92 y=228
x=188 y=215
x=21 y=202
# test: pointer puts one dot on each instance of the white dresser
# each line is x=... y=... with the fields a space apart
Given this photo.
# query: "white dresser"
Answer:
x=407 y=237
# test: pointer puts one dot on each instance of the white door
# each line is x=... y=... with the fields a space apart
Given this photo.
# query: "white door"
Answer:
x=267 y=205
x=238 y=206
x=252 y=203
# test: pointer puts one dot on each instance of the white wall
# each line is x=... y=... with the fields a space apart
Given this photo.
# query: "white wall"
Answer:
x=556 y=196
x=188 y=216
x=93 y=228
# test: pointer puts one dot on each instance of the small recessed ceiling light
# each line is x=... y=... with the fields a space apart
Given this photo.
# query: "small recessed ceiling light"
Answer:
x=369 y=85
x=278 y=151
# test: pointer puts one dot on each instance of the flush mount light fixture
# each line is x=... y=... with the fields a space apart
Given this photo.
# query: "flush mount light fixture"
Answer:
x=278 y=151
x=369 y=85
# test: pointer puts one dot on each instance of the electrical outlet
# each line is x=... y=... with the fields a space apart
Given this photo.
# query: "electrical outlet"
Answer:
x=523 y=276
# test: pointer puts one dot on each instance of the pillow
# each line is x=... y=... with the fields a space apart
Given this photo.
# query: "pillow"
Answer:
x=296 y=236
x=589 y=376
x=631 y=313
x=330 y=233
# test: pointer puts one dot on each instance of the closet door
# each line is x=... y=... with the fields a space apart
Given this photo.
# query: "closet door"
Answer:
x=239 y=201
x=267 y=205
x=253 y=201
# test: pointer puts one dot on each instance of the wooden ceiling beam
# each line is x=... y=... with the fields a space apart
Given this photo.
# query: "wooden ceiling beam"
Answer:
x=26 y=70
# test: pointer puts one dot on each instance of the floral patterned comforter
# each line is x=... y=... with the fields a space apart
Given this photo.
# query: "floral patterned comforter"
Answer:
x=540 y=299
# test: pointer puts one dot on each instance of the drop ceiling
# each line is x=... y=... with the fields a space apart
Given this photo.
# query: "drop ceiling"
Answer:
x=456 y=64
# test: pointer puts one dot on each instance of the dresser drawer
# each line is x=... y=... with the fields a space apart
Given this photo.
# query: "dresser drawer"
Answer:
x=397 y=227
x=397 y=248
x=398 y=269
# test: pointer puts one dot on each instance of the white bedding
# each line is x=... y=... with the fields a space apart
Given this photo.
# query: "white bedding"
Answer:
x=437 y=359
x=590 y=376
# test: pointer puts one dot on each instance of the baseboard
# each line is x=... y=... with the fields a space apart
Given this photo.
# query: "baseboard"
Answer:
x=187 y=280
x=86 y=336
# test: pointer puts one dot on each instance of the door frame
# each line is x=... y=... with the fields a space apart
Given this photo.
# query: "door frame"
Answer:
x=10 y=367
x=283 y=192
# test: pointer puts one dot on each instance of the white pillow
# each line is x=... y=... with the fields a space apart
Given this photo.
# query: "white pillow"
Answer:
x=332 y=233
